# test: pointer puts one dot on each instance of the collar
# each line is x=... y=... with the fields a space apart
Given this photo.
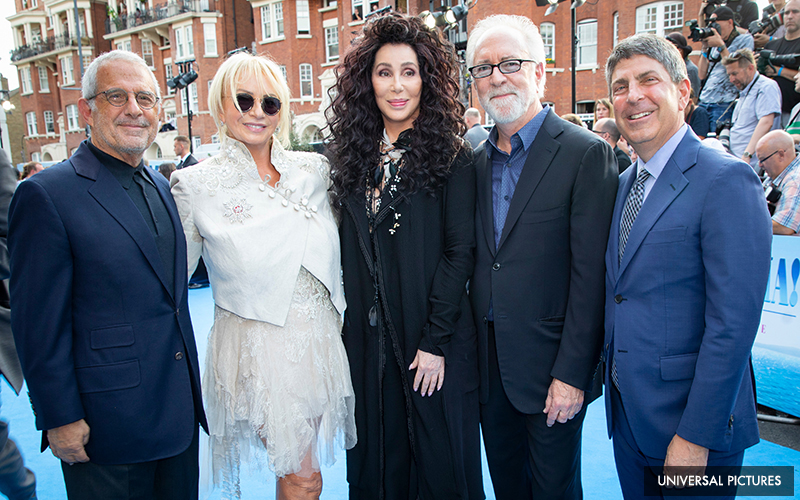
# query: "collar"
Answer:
x=122 y=171
x=787 y=171
x=746 y=89
x=525 y=135
x=659 y=160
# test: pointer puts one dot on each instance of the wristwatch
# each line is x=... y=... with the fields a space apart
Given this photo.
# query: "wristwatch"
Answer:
x=748 y=155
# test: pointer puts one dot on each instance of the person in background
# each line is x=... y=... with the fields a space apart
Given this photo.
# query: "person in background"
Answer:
x=607 y=129
x=573 y=118
x=780 y=162
x=476 y=134
x=761 y=39
x=679 y=41
x=404 y=183
x=758 y=109
x=166 y=169
x=276 y=381
x=697 y=118
x=30 y=169
x=788 y=44
x=603 y=109
x=185 y=158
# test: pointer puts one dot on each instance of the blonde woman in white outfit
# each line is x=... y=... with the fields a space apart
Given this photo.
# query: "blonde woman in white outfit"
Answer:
x=277 y=384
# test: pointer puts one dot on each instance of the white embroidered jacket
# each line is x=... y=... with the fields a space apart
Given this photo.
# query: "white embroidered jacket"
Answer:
x=254 y=237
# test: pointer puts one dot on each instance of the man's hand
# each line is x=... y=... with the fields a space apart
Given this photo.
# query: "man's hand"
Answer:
x=682 y=453
x=67 y=441
x=759 y=40
x=430 y=372
x=563 y=402
x=715 y=40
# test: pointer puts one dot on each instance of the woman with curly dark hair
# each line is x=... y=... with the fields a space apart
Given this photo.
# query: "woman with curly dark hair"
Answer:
x=404 y=183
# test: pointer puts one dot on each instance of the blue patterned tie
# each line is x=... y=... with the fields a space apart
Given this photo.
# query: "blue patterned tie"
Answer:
x=632 y=205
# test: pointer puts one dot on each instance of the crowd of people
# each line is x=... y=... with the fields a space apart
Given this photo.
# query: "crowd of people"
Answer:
x=425 y=281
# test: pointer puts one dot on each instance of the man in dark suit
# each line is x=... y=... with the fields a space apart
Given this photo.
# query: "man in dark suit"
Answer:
x=100 y=316
x=686 y=271
x=607 y=129
x=182 y=149
x=16 y=481
x=545 y=194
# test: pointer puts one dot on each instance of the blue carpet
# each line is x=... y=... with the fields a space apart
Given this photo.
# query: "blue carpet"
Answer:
x=599 y=474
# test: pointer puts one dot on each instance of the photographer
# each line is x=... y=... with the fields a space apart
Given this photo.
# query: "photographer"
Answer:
x=718 y=93
x=759 y=107
x=781 y=187
x=789 y=44
x=773 y=9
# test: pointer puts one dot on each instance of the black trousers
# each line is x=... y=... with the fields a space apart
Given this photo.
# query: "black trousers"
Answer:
x=526 y=458
x=174 y=478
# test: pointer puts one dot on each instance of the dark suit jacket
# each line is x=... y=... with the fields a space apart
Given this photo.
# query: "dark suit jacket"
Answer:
x=684 y=305
x=190 y=160
x=623 y=160
x=9 y=361
x=546 y=277
x=99 y=334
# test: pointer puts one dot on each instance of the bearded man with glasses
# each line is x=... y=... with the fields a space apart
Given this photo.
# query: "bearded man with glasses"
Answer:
x=545 y=195
x=100 y=319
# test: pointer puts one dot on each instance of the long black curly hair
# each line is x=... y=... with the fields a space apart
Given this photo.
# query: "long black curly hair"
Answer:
x=356 y=123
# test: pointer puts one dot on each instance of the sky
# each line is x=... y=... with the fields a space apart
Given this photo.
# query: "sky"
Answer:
x=7 y=43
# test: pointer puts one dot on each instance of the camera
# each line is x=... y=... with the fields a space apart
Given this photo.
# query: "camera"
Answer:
x=697 y=33
x=768 y=23
x=769 y=59
x=773 y=195
x=724 y=133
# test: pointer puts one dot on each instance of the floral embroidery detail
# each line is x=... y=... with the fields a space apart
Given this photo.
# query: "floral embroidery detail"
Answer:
x=237 y=210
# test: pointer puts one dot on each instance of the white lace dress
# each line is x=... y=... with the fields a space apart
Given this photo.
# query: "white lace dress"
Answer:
x=277 y=380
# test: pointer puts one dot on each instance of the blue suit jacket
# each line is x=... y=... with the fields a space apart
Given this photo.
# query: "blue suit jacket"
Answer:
x=683 y=306
x=99 y=334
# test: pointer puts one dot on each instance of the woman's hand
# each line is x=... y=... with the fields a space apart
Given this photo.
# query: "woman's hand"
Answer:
x=430 y=372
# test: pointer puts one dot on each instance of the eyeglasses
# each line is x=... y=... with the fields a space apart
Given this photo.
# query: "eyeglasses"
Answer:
x=761 y=162
x=599 y=132
x=119 y=97
x=270 y=105
x=506 y=67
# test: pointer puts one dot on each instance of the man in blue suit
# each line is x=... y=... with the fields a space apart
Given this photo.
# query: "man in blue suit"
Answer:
x=100 y=316
x=686 y=271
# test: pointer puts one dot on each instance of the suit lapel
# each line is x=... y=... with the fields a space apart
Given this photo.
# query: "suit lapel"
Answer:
x=483 y=173
x=177 y=227
x=107 y=191
x=668 y=186
x=540 y=155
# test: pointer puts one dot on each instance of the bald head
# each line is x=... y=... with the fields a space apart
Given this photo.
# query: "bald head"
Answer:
x=775 y=151
x=607 y=128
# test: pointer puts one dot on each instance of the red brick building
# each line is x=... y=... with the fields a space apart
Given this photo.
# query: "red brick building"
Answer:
x=306 y=37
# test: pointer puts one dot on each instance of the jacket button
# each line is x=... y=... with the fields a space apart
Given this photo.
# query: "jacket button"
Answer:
x=485 y=320
x=179 y=355
x=618 y=299
x=607 y=347
x=496 y=266
x=730 y=421
x=178 y=311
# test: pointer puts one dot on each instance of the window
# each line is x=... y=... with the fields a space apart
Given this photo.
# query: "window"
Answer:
x=67 y=72
x=31 y=119
x=587 y=42
x=283 y=72
x=358 y=8
x=195 y=141
x=147 y=53
x=548 y=31
x=37 y=157
x=210 y=37
x=272 y=21
x=184 y=42
x=303 y=19
x=189 y=41
x=215 y=139
x=169 y=75
x=179 y=43
x=82 y=25
x=193 y=101
x=72 y=117
x=87 y=59
x=25 y=78
x=332 y=43
x=36 y=34
x=616 y=28
x=329 y=3
x=124 y=45
x=306 y=87
x=49 y=125
x=660 y=18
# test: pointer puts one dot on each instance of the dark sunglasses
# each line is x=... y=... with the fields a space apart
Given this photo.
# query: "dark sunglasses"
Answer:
x=270 y=105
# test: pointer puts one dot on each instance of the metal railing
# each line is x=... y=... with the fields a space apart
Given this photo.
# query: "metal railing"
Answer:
x=46 y=45
x=125 y=20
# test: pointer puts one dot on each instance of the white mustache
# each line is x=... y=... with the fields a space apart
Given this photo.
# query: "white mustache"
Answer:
x=135 y=123
x=502 y=91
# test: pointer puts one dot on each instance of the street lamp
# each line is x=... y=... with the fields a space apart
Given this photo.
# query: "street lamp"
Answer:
x=180 y=82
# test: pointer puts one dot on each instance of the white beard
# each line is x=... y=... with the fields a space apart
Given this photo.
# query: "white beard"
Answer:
x=512 y=109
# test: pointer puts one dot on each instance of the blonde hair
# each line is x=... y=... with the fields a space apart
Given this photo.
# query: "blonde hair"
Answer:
x=607 y=104
x=239 y=67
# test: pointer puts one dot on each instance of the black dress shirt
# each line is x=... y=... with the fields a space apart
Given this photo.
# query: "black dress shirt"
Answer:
x=144 y=195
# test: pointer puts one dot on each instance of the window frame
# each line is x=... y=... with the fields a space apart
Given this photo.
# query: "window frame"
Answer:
x=31 y=125
x=303 y=16
x=210 y=28
x=73 y=122
x=148 y=43
x=26 y=84
x=306 y=68
x=49 y=125
x=67 y=70
x=664 y=17
x=328 y=45
x=582 y=46
x=552 y=42
x=274 y=21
